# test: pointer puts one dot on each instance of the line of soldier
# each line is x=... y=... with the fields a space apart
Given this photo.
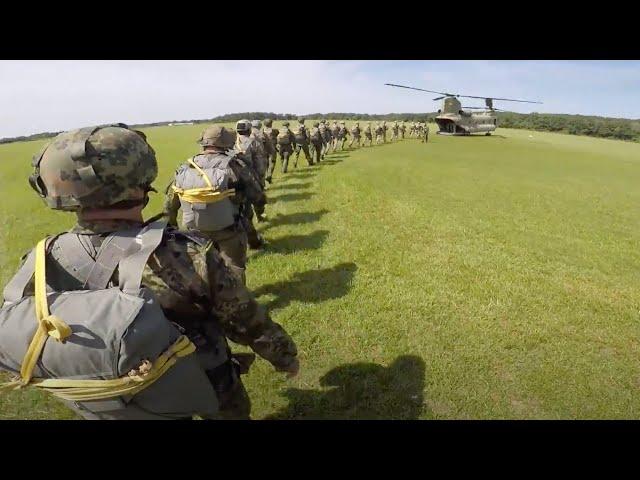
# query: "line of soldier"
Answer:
x=161 y=302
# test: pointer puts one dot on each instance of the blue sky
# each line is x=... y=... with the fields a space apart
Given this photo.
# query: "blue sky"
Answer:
x=38 y=96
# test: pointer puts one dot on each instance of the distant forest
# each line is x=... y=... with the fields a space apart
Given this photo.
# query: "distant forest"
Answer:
x=615 y=128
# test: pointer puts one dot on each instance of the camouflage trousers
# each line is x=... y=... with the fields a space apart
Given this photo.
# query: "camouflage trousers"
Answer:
x=379 y=139
x=232 y=243
x=425 y=136
x=394 y=137
x=272 y=165
x=355 y=139
x=304 y=148
x=367 y=138
x=285 y=153
x=254 y=239
x=316 y=151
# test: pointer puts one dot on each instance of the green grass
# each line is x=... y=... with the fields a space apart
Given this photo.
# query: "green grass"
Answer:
x=483 y=277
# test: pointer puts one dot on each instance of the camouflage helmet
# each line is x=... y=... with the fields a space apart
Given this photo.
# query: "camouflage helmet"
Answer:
x=300 y=119
x=94 y=167
x=268 y=122
x=243 y=126
x=342 y=122
x=316 y=124
x=217 y=136
x=256 y=124
x=285 y=123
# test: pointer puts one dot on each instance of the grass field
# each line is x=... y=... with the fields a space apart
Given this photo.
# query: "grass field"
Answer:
x=472 y=277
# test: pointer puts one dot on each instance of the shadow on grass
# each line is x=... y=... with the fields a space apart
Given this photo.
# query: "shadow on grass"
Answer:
x=289 y=186
x=294 y=243
x=291 y=197
x=295 y=218
x=314 y=286
x=304 y=175
x=362 y=391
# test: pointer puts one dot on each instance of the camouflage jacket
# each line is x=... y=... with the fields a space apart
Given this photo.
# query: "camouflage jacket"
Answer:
x=249 y=150
x=194 y=286
x=272 y=134
x=244 y=181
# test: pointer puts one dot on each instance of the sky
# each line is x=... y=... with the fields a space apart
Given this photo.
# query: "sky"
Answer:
x=38 y=96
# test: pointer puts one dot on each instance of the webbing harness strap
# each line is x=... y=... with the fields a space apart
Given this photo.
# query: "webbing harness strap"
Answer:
x=206 y=194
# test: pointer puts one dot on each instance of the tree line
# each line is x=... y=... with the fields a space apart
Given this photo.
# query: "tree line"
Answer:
x=593 y=126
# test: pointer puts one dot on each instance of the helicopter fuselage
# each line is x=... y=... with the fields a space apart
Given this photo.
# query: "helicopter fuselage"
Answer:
x=452 y=120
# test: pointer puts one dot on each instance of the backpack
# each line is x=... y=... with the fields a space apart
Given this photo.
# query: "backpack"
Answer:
x=315 y=135
x=283 y=137
x=112 y=353
x=205 y=196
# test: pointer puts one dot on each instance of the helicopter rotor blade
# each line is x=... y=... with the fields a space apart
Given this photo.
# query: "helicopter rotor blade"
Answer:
x=446 y=94
x=501 y=99
x=419 y=89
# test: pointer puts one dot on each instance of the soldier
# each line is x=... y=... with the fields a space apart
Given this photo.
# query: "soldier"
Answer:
x=286 y=143
x=328 y=138
x=368 y=135
x=342 y=134
x=412 y=131
x=355 y=135
x=425 y=134
x=272 y=134
x=253 y=154
x=403 y=129
x=218 y=217
x=384 y=131
x=379 y=134
x=192 y=301
x=266 y=148
x=324 y=137
x=302 y=143
x=316 y=141
x=335 y=129
x=394 y=130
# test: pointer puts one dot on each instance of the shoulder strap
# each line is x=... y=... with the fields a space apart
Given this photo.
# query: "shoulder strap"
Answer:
x=201 y=172
x=114 y=248
x=14 y=290
x=131 y=267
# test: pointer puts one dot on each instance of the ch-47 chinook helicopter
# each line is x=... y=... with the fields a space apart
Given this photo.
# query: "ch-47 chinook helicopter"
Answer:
x=453 y=120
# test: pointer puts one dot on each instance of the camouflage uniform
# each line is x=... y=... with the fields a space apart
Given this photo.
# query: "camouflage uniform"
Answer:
x=403 y=129
x=286 y=149
x=425 y=133
x=232 y=242
x=384 y=131
x=335 y=129
x=325 y=135
x=195 y=288
x=251 y=152
x=394 y=130
x=272 y=134
x=317 y=145
x=342 y=135
x=302 y=143
x=265 y=148
x=379 y=134
x=368 y=135
x=355 y=135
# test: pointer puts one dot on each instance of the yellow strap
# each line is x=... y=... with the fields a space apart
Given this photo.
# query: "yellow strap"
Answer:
x=201 y=172
x=87 y=390
x=202 y=195
x=83 y=390
x=48 y=325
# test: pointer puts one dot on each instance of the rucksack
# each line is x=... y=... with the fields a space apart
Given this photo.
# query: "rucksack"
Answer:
x=205 y=196
x=283 y=137
x=113 y=353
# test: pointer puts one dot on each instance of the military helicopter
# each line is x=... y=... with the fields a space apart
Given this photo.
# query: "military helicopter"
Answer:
x=453 y=120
